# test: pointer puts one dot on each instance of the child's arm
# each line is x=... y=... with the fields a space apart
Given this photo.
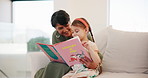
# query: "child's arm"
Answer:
x=93 y=51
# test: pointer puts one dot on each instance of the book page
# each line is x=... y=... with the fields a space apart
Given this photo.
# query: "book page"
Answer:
x=71 y=51
x=51 y=53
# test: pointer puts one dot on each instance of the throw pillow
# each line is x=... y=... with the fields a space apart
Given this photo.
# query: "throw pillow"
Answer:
x=126 y=52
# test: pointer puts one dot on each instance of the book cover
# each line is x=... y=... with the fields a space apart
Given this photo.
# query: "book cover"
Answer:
x=69 y=51
x=51 y=53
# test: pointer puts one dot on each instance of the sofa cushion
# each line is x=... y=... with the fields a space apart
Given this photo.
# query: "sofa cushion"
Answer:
x=126 y=52
x=38 y=60
x=121 y=75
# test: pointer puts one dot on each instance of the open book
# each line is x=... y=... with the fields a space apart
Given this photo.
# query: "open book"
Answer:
x=69 y=51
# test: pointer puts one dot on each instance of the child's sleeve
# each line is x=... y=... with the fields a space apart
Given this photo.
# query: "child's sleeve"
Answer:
x=96 y=48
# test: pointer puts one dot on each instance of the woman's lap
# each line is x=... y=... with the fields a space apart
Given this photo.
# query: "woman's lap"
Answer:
x=53 y=70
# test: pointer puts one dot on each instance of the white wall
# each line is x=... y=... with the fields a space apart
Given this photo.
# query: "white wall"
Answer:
x=5 y=11
x=95 y=11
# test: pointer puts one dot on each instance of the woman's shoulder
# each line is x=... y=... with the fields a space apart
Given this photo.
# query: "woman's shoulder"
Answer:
x=56 y=37
x=55 y=33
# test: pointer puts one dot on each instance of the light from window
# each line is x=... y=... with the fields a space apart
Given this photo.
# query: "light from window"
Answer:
x=129 y=15
x=31 y=24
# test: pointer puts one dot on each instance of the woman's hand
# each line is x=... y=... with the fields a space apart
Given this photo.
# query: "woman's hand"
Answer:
x=88 y=63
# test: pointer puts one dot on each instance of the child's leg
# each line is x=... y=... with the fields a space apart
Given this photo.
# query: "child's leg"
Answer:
x=78 y=75
x=93 y=73
x=87 y=74
x=83 y=74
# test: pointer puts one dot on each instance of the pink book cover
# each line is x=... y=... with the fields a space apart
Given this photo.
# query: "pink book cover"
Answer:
x=71 y=51
x=51 y=53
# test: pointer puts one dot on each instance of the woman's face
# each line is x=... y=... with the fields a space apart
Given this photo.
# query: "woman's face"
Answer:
x=64 y=30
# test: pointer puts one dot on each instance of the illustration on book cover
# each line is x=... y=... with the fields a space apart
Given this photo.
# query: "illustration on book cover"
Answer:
x=76 y=57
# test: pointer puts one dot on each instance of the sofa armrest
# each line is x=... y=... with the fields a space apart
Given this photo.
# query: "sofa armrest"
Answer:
x=37 y=60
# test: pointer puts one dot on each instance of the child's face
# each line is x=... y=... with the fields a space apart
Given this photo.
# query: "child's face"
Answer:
x=78 y=31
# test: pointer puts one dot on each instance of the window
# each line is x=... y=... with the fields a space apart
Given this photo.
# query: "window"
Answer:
x=31 y=24
x=129 y=15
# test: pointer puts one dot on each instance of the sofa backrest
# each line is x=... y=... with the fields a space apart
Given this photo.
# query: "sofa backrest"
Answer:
x=101 y=39
x=123 y=51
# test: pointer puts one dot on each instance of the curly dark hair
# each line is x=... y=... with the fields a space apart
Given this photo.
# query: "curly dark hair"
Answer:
x=60 y=17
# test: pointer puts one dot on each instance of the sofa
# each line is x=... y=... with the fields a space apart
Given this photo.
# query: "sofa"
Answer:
x=125 y=54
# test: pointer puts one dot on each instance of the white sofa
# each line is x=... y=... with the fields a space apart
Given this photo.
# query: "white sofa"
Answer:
x=125 y=54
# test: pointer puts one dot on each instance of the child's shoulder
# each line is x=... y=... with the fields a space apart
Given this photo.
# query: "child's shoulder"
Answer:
x=91 y=42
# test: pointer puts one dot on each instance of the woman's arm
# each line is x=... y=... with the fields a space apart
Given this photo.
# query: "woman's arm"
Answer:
x=88 y=63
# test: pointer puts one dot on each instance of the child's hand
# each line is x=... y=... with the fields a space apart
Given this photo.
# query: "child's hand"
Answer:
x=86 y=45
x=88 y=63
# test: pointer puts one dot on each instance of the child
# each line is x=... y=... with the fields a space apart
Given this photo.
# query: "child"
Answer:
x=88 y=68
